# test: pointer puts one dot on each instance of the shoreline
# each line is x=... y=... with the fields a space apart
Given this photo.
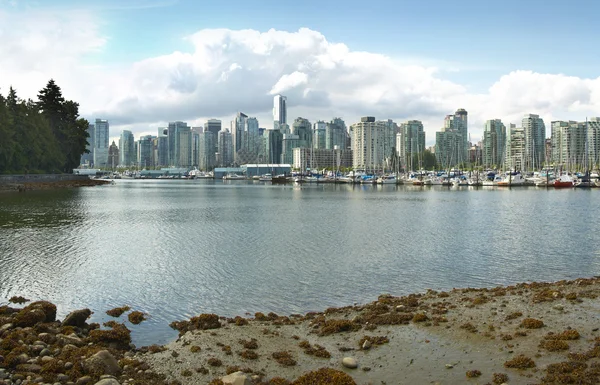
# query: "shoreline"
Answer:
x=51 y=185
x=460 y=336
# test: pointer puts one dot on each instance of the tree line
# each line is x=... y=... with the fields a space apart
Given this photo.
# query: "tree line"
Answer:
x=42 y=136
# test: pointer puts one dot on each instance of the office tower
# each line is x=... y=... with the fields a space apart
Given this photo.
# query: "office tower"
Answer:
x=127 y=156
x=162 y=150
x=335 y=134
x=368 y=144
x=279 y=112
x=535 y=139
x=494 y=143
x=303 y=129
x=274 y=146
x=145 y=155
x=101 y=135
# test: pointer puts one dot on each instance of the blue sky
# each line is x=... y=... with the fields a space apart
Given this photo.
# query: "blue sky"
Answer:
x=475 y=46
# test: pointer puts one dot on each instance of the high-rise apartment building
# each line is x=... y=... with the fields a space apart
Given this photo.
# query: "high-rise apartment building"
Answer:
x=176 y=132
x=225 y=146
x=113 y=155
x=303 y=129
x=335 y=134
x=319 y=131
x=101 y=136
x=516 y=149
x=368 y=144
x=273 y=145
x=568 y=143
x=535 y=141
x=162 y=147
x=494 y=143
x=279 y=112
x=458 y=123
x=88 y=158
x=207 y=151
x=593 y=142
x=127 y=155
x=410 y=141
x=389 y=139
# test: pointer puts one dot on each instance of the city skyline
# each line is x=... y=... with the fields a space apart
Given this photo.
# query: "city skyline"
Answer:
x=216 y=66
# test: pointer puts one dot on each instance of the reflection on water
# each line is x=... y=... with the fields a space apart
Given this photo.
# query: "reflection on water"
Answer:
x=178 y=248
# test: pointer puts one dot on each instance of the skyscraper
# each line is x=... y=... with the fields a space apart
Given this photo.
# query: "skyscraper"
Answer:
x=162 y=147
x=593 y=142
x=319 y=134
x=335 y=134
x=412 y=140
x=303 y=129
x=127 y=156
x=368 y=143
x=494 y=143
x=174 y=133
x=225 y=146
x=113 y=155
x=279 y=111
x=145 y=155
x=206 y=159
x=535 y=141
x=101 y=135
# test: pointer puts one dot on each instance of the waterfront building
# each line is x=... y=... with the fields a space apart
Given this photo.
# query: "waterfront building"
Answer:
x=206 y=157
x=568 y=143
x=225 y=148
x=303 y=129
x=87 y=159
x=459 y=123
x=516 y=149
x=535 y=141
x=251 y=170
x=288 y=143
x=176 y=132
x=319 y=134
x=389 y=139
x=593 y=142
x=319 y=158
x=368 y=144
x=280 y=113
x=494 y=143
x=335 y=134
x=273 y=145
x=410 y=141
x=101 y=136
x=127 y=156
x=196 y=133
x=145 y=154
x=113 y=155
x=162 y=158
x=448 y=148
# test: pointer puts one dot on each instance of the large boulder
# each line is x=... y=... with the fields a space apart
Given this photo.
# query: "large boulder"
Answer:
x=77 y=318
x=102 y=363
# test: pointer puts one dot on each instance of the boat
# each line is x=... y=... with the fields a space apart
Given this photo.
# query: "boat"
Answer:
x=387 y=179
x=512 y=180
x=233 y=176
x=279 y=179
x=564 y=181
x=265 y=178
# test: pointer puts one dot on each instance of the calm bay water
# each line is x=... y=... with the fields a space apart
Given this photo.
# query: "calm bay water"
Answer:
x=175 y=249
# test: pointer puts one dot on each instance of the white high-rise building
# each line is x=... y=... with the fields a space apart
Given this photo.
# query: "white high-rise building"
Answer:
x=279 y=111
x=368 y=138
x=101 y=136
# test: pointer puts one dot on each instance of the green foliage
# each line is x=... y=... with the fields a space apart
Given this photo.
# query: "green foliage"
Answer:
x=46 y=136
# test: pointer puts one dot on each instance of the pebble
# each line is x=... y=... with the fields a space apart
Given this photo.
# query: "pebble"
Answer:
x=108 y=381
x=45 y=352
x=449 y=366
x=558 y=307
x=83 y=380
x=366 y=345
x=350 y=362
x=237 y=378
x=62 y=377
x=68 y=365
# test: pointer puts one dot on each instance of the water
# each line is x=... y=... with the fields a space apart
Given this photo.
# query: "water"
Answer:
x=175 y=249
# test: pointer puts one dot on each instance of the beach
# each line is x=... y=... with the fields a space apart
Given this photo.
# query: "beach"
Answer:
x=531 y=333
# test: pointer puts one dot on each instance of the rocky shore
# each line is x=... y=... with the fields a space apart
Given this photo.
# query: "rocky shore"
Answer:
x=534 y=333
x=30 y=186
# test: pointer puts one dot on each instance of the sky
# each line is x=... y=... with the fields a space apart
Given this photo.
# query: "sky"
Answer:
x=143 y=63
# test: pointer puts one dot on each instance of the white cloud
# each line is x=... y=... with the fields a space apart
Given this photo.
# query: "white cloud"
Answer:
x=228 y=71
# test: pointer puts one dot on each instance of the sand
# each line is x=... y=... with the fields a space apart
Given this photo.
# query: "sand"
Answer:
x=455 y=332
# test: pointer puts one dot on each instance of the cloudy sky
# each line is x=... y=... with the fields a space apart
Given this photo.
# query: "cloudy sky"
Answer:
x=142 y=63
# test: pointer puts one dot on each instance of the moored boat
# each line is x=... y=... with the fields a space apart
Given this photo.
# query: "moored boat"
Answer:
x=564 y=181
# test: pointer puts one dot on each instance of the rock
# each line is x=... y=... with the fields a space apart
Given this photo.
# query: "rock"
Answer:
x=29 y=317
x=47 y=359
x=5 y=327
x=449 y=366
x=47 y=338
x=68 y=365
x=77 y=318
x=108 y=381
x=62 y=377
x=45 y=352
x=102 y=362
x=71 y=339
x=558 y=307
x=350 y=362
x=30 y=368
x=366 y=345
x=84 y=380
x=237 y=378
